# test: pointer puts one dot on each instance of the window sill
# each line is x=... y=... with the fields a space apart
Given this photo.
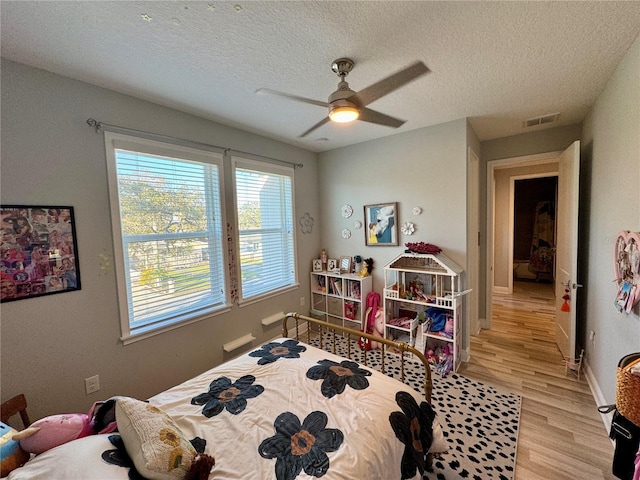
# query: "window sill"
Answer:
x=151 y=331
x=265 y=296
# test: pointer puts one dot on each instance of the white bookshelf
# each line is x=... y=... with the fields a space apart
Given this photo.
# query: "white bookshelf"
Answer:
x=340 y=298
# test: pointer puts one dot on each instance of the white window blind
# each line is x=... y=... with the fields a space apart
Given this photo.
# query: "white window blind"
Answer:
x=168 y=217
x=264 y=207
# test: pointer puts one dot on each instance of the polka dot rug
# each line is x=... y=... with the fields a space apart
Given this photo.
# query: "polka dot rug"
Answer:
x=479 y=422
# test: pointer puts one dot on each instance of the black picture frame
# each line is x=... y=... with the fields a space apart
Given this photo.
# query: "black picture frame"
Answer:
x=38 y=250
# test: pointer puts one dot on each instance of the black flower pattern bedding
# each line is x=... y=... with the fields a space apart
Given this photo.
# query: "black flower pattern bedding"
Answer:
x=286 y=411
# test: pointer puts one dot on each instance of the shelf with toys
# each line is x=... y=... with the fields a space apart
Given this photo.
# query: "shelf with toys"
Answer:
x=422 y=301
x=338 y=297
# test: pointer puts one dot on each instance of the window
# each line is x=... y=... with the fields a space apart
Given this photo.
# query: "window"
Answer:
x=264 y=206
x=168 y=224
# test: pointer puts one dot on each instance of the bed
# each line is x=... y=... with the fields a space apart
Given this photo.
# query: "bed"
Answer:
x=283 y=410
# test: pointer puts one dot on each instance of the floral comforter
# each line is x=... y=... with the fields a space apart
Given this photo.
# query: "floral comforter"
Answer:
x=287 y=410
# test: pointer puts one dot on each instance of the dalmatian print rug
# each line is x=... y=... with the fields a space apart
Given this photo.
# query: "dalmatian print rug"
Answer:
x=479 y=422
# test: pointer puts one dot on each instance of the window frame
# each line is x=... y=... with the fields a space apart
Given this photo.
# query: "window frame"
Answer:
x=118 y=141
x=238 y=161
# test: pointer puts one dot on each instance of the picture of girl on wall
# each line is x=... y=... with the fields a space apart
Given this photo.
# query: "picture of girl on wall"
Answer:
x=37 y=251
x=382 y=224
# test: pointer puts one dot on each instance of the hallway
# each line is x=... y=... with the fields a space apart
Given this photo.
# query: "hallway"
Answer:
x=562 y=435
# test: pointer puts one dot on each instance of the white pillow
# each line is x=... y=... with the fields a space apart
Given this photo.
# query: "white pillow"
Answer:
x=156 y=445
x=77 y=460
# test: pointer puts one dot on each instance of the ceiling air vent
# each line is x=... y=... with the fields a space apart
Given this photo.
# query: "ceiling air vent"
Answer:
x=541 y=120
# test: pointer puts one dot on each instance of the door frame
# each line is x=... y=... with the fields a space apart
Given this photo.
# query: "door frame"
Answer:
x=473 y=242
x=492 y=167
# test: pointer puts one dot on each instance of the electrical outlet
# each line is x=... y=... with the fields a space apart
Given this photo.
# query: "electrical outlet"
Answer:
x=302 y=301
x=92 y=384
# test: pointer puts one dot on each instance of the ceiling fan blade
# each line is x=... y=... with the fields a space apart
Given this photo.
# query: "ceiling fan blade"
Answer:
x=268 y=91
x=371 y=116
x=317 y=125
x=373 y=92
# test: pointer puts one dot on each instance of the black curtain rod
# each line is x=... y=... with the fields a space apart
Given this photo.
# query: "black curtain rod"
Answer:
x=99 y=126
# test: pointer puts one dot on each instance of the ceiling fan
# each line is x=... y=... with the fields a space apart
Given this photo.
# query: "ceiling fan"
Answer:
x=345 y=105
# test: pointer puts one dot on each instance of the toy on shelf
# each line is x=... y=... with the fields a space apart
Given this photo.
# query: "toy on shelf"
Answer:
x=441 y=357
x=423 y=247
x=366 y=268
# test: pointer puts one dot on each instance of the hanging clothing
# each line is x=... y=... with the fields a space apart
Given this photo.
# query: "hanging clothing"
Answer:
x=541 y=259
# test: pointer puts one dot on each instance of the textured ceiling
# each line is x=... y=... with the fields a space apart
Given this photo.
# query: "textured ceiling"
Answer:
x=498 y=63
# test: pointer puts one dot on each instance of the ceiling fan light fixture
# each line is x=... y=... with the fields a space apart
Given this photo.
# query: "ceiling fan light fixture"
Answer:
x=344 y=114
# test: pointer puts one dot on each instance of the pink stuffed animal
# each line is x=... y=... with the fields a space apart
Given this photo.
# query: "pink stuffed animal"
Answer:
x=49 y=432
x=378 y=328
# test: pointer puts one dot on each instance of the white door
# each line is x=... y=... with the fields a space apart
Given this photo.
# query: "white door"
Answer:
x=566 y=280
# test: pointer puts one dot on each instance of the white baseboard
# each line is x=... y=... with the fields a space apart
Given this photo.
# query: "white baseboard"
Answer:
x=598 y=396
x=502 y=290
x=481 y=322
x=465 y=355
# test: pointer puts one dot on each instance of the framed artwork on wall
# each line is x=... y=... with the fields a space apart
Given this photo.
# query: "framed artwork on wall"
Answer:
x=381 y=222
x=38 y=251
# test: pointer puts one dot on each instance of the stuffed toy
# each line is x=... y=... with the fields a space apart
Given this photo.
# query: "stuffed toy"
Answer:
x=49 y=432
x=374 y=322
x=12 y=455
x=377 y=328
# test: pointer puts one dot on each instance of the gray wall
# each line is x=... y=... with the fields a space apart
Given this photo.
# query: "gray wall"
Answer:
x=425 y=167
x=51 y=157
x=541 y=141
x=610 y=181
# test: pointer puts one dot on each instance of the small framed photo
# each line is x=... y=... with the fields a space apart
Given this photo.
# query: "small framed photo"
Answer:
x=317 y=265
x=345 y=264
x=381 y=222
x=332 y=264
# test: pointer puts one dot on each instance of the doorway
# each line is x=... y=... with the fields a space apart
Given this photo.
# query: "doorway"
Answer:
x=566 y=165
x=534 y=228
x=500 y=217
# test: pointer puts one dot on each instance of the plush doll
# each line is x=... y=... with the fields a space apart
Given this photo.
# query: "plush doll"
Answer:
x=366 y=269
x=378 y=328
x=448 y=326
x=49 y=432
x=11 y=454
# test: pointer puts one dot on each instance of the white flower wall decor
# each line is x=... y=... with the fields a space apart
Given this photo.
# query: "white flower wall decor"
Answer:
x=408 y=228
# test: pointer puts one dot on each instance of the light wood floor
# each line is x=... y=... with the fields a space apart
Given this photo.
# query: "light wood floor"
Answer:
x=561 y=432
